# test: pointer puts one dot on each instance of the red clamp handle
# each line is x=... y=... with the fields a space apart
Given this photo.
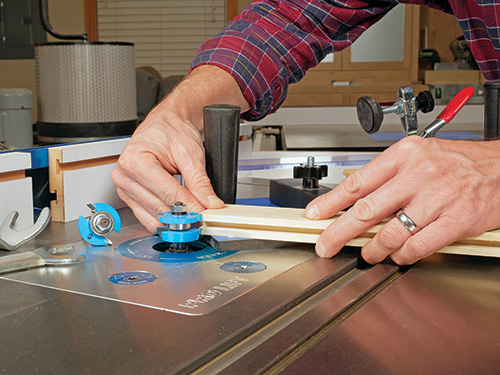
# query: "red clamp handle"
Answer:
x=456 y=104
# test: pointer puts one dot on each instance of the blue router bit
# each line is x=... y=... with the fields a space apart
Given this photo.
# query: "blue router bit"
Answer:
x=181 y=227
x=104 y=220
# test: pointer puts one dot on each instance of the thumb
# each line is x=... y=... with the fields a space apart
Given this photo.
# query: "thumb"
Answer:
x=198 y=183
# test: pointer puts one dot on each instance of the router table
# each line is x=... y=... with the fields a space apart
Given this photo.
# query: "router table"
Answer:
x=247 y=306
x=255 y=307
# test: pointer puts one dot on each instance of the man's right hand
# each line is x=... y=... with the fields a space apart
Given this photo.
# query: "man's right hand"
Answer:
x=169 y=142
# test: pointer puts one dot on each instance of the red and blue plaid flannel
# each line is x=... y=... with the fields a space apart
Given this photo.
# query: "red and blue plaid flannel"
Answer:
x=272 y=43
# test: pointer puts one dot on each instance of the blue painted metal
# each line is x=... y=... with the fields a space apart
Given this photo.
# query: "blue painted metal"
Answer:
x=256 y=202
x=179 y=236
x=189 y=218
x=132 y=278
x=86 y=230
x=39 y=156
x=141 y=248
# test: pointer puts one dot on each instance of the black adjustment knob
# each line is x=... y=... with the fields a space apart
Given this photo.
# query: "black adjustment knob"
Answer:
x=370 y=114
x=310 y=173
x=425 y=101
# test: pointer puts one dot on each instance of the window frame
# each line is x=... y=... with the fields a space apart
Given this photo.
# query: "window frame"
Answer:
x=90 y=7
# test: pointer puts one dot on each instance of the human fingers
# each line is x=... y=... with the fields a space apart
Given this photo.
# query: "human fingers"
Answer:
x=427 y=241
x=144 y=216
x=396 y=232
x=444 y=215
x=357 y=185
x=366 y=180
x=363 y=215
x=149 y=201
x=136 y=170
x=183 y=153
x=197 y=182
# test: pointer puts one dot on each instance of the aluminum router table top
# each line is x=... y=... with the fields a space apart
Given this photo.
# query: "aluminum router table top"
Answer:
x=308 y=315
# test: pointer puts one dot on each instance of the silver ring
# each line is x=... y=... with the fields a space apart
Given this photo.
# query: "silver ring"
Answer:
x=407 y=222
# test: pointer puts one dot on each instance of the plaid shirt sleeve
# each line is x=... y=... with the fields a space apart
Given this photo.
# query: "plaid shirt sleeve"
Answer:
x=272 y=43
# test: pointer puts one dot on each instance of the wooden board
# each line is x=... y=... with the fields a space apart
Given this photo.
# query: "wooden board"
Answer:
x=443 y=77
x=16 y=191
x=442 y=30
x=290 y=224
x=81 y=174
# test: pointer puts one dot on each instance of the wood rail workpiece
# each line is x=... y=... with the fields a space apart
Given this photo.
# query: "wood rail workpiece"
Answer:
x=290 y=224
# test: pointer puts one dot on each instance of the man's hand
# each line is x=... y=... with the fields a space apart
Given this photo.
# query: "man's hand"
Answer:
x=169 y=142
x=450 y=189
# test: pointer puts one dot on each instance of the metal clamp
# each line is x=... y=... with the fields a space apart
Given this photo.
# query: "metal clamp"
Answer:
x=448 y=112
x=371 y=114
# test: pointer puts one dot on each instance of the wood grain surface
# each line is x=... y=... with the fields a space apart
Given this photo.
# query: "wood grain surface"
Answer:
x=290 y=224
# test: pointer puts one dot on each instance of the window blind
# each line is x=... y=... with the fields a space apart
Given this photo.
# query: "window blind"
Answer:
x=166 y=33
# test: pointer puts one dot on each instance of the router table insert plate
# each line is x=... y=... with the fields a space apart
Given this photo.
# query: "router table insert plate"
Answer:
x=195 y=283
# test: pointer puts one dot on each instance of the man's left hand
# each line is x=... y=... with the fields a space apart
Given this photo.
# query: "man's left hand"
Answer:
x=449 y=189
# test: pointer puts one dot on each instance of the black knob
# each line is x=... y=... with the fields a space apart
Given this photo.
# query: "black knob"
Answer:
x=370 y=114
x=310 y=173
x=425 y=101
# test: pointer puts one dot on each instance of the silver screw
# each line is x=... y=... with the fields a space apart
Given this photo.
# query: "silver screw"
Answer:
x=178 y=208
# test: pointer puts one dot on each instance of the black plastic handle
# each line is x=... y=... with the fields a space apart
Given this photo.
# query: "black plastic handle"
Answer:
x=491 y=109
x=222 y=135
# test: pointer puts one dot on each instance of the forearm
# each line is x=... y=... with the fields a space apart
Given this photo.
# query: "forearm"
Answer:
x=273 y=43
x=203 y=86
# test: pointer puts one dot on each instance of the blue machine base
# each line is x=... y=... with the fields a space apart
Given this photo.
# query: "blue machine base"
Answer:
x=141 y=248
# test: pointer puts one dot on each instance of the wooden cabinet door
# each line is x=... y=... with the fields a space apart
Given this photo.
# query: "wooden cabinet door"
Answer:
x=382 y=59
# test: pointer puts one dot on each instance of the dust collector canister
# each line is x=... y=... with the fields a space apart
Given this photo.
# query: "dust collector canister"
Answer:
x=85 y=90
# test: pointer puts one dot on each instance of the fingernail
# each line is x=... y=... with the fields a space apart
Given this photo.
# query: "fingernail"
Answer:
x=321 y=250
x=312 y=212
x=215 y=202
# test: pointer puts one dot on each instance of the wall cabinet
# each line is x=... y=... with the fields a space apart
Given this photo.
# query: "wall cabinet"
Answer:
x=384 y=58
